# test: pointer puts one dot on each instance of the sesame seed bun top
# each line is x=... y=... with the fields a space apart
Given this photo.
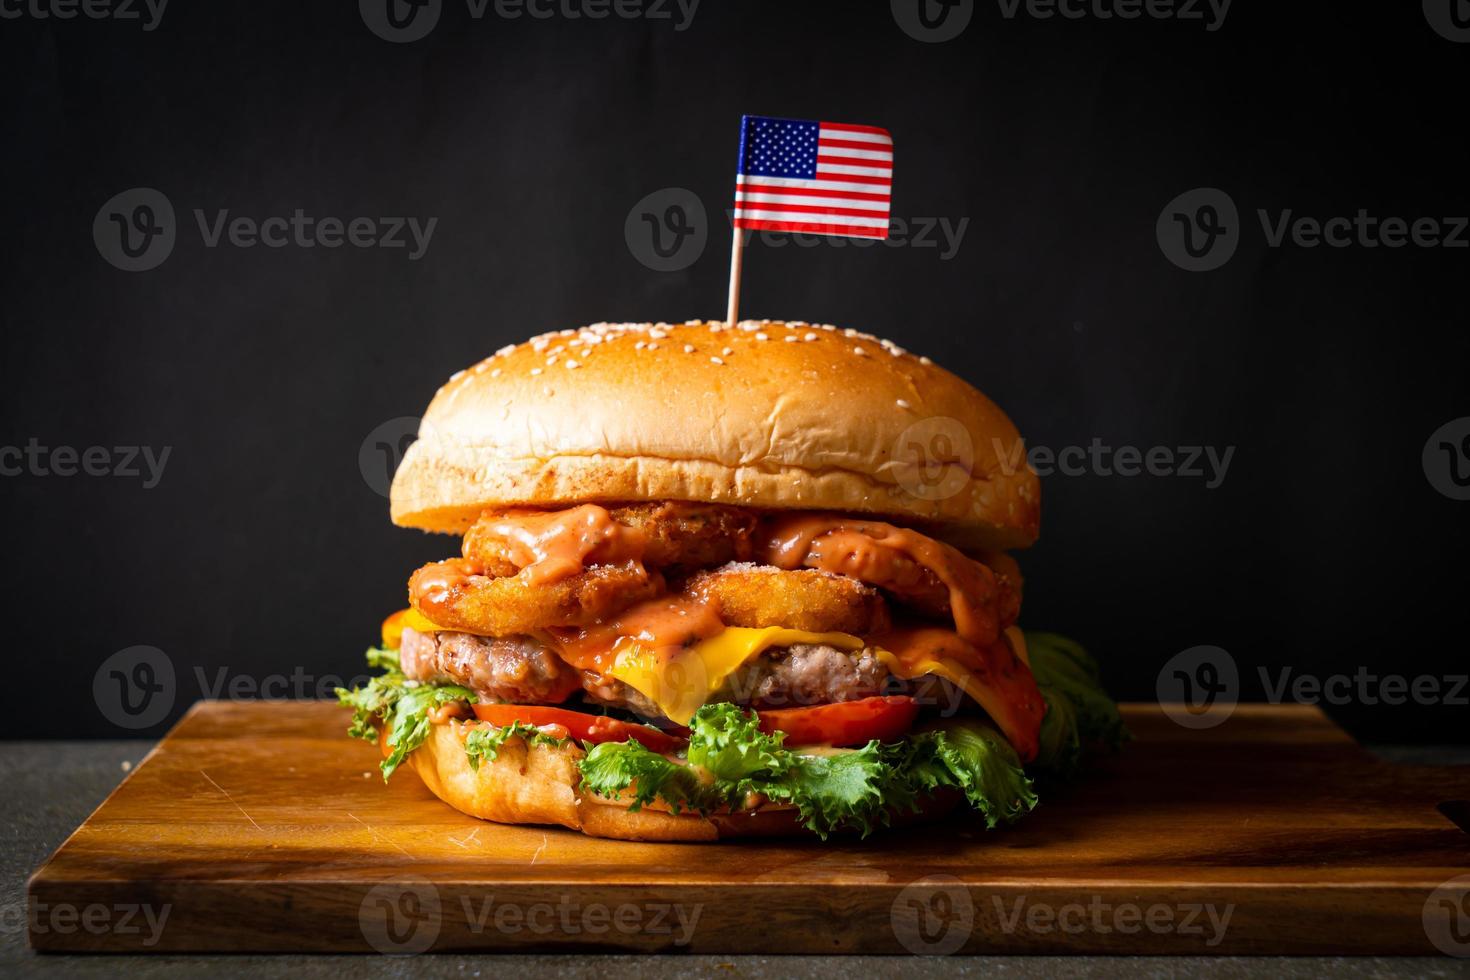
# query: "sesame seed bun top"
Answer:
x=765 y=414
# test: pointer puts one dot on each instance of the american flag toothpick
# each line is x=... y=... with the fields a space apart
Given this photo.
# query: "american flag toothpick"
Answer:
x=817 y=178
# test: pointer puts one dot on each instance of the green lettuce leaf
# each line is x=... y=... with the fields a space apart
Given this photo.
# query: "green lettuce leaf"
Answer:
x=1079 y=712
x=841 y=789
x=610 y=768
x=483 y=743
x=846 y=789
x=982 y=764
x=727 y=742
x=402 y=705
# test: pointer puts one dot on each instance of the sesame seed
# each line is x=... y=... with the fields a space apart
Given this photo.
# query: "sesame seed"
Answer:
x=535 y=371
x=652 y=346
x=456 y=376
x=505 y=350
x=860 y=352
x=791 y=338
x=716 y=360
x=640 y=345
x=657 y=334
x=572 y=365
x=551 y=360
x=761 y=336
x=925 y=360
x=902 y=403
x=689 y=348
x=495 y=373
x=728 y=351
x=809 y=337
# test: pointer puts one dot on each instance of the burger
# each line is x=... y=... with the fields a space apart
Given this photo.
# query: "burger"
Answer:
x=720 y=581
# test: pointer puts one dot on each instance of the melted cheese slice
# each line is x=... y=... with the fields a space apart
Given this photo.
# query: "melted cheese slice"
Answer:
x=681 y=684
x=409 y=618
x=951 y=670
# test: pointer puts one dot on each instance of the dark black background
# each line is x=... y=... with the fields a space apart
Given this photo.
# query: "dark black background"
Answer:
x=264 y=550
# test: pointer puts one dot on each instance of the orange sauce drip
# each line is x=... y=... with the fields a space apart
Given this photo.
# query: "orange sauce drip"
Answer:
x=1003 y=685
x=891 y=558
x=436 y=584
x=551 y=545
x=665 y=625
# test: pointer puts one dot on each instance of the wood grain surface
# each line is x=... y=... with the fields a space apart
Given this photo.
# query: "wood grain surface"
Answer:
x=262 y=827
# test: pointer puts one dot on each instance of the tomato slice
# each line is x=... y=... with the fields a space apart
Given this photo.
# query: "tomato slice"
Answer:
x=583 y=727
x=844 y=723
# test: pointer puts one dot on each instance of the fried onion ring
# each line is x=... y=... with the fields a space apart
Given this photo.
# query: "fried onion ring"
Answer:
x=456 y=594
x=668 y=534
x=820 y=602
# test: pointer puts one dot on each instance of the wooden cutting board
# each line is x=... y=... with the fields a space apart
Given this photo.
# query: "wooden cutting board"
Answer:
x=262 y=827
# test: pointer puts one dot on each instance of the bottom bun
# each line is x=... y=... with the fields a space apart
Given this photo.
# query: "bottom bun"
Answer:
x=538 y=784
